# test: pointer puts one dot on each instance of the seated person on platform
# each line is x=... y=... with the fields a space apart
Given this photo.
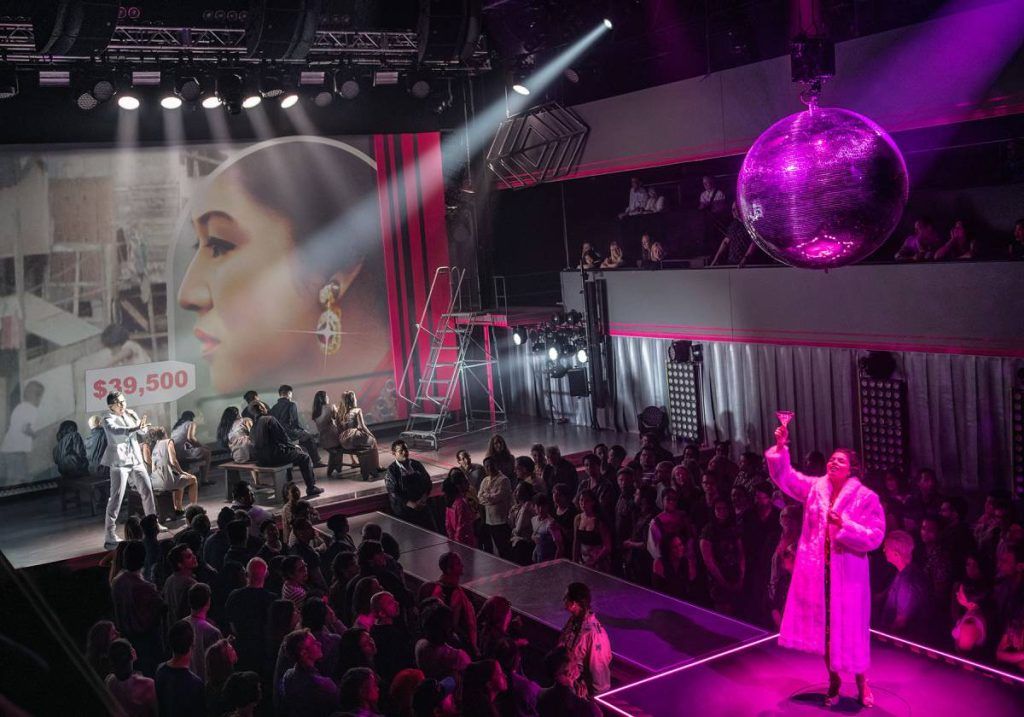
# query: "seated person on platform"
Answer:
x=1015 y=249
x=712 y=198
x=657 y=256
x=356 y=435
x=615 y=257
x=959 y=246
x=922 y=244
x=167 y=474
x=250 y=398
x=271 y=447
x=907 y=596
x=645 y=249
x=123 y=351
x=655 y=203
x=589 y=258
x=736 y=247
x=286 y=411
x=69 y=454
x=325 y=417
x=187 y=448
x=637 y=198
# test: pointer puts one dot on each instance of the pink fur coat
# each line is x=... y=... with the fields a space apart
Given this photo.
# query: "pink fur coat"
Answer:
x=863 y=529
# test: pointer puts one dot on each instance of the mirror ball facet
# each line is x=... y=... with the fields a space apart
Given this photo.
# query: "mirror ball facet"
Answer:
x=822 y=188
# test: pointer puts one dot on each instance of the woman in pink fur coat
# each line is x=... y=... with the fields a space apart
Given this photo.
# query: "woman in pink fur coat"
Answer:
x=828 y=610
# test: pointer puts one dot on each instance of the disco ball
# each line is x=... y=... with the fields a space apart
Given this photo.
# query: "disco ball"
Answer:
x=822 y=188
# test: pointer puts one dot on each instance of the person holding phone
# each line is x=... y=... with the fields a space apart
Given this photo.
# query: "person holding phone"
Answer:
x=843 y=521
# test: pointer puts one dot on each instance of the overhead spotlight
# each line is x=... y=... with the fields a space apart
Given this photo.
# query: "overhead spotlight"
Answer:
x=170 y=102
x=607 y=23
x=518 y=83
x=571 y=75
x=271 y=86
x=537 y=347
x=187 y=87
x=517 y=337
x=128 y=101
x=211 y=102
x=553 y=353
x=251 y=96
x=8 y=81
x=229 y=91
x=323 y=98
x=85 y=100
x=289 y=100
x=582 y=356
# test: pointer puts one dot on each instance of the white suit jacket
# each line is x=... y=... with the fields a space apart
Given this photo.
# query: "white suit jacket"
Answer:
x=123 y=440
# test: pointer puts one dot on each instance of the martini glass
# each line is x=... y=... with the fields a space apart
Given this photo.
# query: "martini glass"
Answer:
x=784 y=417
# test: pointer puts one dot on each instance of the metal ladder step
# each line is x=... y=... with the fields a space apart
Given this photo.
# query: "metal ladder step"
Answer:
x=432 y=416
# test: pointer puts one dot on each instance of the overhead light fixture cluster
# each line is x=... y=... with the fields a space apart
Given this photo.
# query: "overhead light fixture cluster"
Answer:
x=563 y=339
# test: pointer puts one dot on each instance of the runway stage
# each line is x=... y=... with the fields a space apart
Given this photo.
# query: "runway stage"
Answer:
x=764 y=680
x=36 y=531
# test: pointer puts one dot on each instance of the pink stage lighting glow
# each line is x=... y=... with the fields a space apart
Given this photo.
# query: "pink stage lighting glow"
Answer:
x=963 y=661
x=822 y=188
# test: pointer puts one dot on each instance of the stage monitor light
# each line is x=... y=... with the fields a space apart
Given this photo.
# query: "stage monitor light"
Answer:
x=86 y=101
x=553 y=353
x=517 y=337
x=128 y=102
x=289 y=100
x=419 y=88
x=103 y=90
x=582 y=356
x=607 y=23
x=346 y=85
x=170 y=102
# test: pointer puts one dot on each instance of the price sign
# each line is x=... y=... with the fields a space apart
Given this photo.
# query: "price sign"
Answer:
x=142 y=384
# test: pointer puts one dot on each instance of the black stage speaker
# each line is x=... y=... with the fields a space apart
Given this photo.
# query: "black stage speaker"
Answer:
x=281 y=29
x=578 y=382
x=448 y=30
x=74 y=27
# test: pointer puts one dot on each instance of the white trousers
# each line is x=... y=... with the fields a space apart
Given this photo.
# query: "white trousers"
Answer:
x=119 y=477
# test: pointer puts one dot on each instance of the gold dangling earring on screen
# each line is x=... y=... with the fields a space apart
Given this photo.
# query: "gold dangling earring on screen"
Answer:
x=328 y=326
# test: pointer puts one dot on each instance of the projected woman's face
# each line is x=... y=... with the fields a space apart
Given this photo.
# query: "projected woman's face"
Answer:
x=247 y=287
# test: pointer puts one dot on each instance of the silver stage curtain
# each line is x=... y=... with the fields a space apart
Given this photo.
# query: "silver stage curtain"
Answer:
x=959 y=406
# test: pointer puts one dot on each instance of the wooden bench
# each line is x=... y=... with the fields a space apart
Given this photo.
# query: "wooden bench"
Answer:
x=233 y=472
x=339 y=454
x=93 y=488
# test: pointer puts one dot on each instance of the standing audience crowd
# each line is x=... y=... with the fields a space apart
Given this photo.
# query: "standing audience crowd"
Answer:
x=257 y=619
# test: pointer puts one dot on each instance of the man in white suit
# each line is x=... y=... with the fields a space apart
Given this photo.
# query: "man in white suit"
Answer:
x=123 y=429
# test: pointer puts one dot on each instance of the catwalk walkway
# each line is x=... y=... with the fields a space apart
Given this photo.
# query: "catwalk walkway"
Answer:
x=699 y=662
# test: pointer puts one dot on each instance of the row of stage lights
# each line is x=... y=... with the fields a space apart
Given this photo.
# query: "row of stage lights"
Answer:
x=234 y=90
x=561 y=338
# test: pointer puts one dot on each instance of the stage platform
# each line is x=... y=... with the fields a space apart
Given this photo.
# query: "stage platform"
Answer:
x=649 y=631
x=761 y=678
x=36 y=531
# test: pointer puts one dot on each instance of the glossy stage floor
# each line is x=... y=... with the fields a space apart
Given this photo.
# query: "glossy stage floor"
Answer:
x=36 y=531
x=698 y=662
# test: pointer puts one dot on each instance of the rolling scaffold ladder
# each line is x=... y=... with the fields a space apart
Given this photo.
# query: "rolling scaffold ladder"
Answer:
x=460 y=350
